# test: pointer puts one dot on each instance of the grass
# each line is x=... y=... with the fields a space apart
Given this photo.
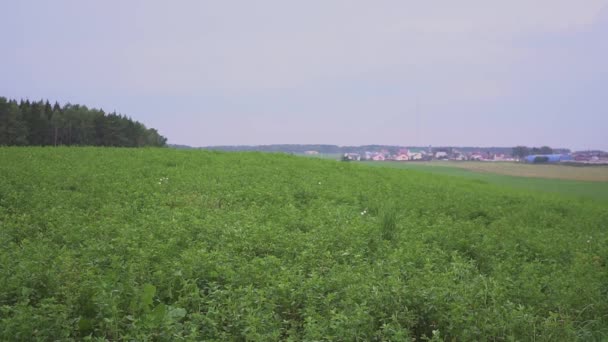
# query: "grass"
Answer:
x=162 y=244
x=491 y=173
x=331 y=156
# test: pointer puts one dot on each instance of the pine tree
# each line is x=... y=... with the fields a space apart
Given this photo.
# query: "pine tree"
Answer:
x=13 y=129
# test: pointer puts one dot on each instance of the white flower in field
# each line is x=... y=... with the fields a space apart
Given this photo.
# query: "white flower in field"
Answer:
x=364 y=212
x=319 y=183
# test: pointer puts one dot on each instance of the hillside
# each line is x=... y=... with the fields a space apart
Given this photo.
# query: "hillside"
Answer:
x=166 y=244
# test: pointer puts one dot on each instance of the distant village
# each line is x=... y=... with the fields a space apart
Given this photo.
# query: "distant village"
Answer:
x=454 y=154
x=380 y=153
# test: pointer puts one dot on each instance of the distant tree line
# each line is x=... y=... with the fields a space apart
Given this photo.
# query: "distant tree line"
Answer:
x=284 y=148
x=335 y=149
x=524 y=151
x=42 y=124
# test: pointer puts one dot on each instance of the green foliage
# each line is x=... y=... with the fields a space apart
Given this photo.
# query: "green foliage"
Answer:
x=541 y=159
x=40 y=124
x=159 y=244
x=520 y=152
x=388 y=224
x=523 y=151
x=13 y=128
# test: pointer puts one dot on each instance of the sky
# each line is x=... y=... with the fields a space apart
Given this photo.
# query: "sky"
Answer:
x=345 y=72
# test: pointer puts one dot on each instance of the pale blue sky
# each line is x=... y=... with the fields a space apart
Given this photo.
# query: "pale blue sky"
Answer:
x=469 y=72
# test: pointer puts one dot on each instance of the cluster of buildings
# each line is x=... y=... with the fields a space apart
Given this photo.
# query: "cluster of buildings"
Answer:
x=426 y=155
x=591 y=157
x=401 y=155
x=413 y=154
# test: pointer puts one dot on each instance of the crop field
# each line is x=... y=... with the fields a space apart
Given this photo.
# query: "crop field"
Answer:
x=593 y=173
x=163 y=244
x=590 y=181
x=332 y=156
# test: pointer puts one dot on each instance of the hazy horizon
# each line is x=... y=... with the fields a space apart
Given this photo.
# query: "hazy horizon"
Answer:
x=405 y=73
x=362 y=145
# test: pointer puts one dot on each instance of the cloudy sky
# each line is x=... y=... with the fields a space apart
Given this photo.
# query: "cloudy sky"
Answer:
x=468 y=72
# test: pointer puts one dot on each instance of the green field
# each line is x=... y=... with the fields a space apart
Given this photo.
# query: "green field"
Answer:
x=331 y=156
x=162 y=244
x=596 y=190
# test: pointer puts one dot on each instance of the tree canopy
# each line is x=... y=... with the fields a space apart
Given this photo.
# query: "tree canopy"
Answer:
x=42 y=124
x=523 y=151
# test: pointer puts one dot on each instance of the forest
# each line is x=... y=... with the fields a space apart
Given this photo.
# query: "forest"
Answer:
x=42 y=124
